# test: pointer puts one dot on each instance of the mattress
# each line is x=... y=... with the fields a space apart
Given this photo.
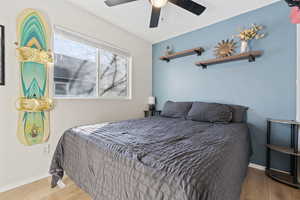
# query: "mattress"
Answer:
x=155 y=158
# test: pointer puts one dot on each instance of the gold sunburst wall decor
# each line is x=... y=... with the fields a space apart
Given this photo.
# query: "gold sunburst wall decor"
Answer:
x=225 y=48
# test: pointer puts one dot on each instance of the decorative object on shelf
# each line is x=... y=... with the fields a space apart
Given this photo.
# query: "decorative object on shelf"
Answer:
x=251 y=55
x=2 y=55
x=151 y=103
x=225 y=48
x=188 y=52
x=169 y=50
x=248 y=35
x=244 y=46
x=33 y=35
x=151 y=113
x=291 y=178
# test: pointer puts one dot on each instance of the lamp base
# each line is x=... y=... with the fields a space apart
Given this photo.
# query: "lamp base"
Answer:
x=151 y=107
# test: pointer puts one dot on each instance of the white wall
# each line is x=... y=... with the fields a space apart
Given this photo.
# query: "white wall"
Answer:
x=20 y=164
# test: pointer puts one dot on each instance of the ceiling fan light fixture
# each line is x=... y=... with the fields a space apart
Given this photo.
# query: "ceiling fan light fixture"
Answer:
x=156 y=5
x=159 y=3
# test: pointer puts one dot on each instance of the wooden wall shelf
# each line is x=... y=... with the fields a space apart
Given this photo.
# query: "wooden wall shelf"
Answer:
x=251 y=55
x=188 y=52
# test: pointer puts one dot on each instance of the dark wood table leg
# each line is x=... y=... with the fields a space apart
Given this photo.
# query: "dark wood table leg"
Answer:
x=295 y=160
x=268 y=152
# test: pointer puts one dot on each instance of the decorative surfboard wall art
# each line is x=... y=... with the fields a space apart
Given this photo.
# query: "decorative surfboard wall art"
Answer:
x=34 y=55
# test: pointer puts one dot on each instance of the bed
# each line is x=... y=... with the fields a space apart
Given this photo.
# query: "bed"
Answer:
x=157 y=158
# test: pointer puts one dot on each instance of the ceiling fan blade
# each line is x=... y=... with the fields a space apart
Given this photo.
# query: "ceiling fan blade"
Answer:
x=111 y=3
x=189 y=5
x=154 y=17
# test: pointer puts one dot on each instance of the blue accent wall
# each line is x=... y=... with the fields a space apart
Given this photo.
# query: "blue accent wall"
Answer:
x=267 y=86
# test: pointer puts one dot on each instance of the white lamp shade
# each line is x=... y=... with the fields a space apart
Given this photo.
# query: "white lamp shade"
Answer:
x=151 y=100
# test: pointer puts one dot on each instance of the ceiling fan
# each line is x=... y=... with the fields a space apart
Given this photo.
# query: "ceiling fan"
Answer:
x=188 y=5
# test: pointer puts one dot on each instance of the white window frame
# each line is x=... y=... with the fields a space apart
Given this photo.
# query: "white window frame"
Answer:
x=84 y=39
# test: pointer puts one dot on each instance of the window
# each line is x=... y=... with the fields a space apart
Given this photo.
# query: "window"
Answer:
x=85 y=69
x=113 y=74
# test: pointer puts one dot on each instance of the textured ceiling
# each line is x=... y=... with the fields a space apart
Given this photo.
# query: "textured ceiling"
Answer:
x=135 y=16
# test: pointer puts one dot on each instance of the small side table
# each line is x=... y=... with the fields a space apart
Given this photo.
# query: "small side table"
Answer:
x=151 y=113
x=291 y=178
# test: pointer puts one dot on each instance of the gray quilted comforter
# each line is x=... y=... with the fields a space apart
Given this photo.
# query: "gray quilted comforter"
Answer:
x=155 y=159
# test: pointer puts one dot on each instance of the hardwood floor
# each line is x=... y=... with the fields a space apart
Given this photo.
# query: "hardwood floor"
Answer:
x=256 y=187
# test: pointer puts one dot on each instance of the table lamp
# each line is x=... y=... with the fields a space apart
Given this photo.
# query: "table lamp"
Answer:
x=151 y=103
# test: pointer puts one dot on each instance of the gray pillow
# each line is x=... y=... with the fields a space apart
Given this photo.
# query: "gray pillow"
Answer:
x=176 y=109
x=239 y=113
x=210 y=112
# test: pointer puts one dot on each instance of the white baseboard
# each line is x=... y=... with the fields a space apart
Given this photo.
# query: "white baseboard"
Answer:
x=15 y=185
x=256 y=166
x=12 y=186
x=263 y=168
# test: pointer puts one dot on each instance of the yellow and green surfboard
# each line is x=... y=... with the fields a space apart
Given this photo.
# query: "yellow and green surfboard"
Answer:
x=34 y=55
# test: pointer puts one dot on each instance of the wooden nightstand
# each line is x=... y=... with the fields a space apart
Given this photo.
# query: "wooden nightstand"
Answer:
x=286 y=178
x=151 y=113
